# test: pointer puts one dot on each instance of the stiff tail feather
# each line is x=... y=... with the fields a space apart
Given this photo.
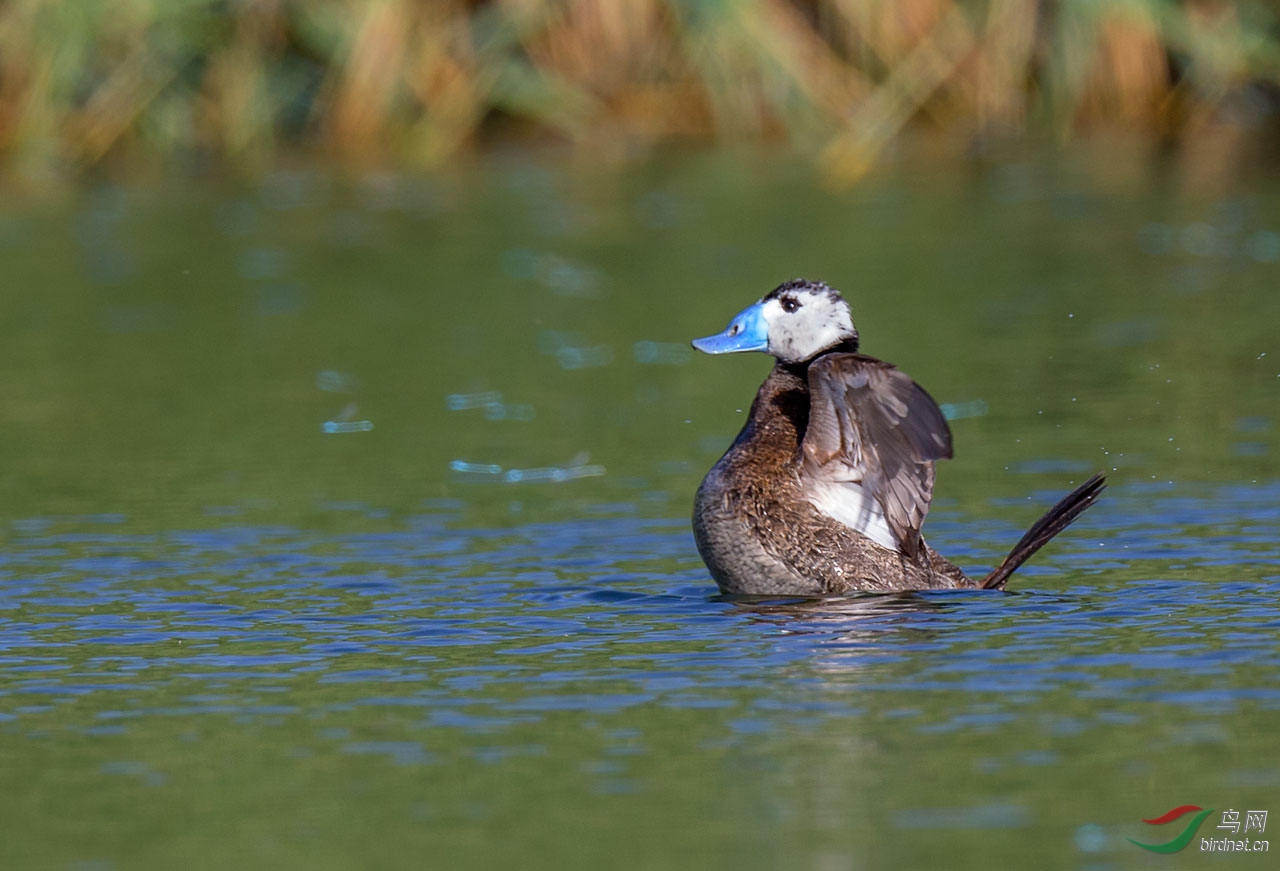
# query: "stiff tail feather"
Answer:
x=1056 y=519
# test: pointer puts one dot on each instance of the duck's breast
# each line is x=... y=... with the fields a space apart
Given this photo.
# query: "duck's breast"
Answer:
x=729 y=525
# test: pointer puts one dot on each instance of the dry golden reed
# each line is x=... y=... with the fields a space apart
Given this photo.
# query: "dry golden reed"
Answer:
x=415 y=83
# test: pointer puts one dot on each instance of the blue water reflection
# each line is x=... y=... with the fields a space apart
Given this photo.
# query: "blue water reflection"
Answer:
x=85 y=609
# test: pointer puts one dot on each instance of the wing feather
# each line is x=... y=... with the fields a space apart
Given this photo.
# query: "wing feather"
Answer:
x=873 y=428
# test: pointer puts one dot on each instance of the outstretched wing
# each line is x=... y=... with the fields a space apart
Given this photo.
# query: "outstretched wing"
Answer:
x=872 y=438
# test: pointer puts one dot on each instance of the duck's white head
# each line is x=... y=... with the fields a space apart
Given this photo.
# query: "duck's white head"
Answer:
x=796 y=322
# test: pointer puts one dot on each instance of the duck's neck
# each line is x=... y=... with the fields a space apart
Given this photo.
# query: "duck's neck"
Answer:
x=780 y=413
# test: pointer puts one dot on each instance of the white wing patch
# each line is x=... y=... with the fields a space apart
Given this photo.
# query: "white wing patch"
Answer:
x=846 y=503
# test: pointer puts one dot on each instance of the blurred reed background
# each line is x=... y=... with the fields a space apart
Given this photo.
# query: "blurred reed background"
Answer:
x=418 y=83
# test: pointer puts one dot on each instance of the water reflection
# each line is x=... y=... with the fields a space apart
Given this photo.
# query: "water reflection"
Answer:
x=862 y=615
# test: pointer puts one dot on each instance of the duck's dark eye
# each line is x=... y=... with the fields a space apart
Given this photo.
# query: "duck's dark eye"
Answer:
x=790 y=304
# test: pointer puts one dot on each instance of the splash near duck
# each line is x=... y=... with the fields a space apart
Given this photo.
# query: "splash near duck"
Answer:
x=827 y=486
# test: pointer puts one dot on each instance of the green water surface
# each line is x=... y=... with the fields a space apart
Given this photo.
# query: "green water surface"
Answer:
x=229 y=638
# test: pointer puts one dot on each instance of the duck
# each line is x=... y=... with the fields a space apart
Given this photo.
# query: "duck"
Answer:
x=826 y=488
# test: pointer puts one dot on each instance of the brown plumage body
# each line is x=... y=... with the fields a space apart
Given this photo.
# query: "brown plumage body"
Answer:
x=758 y=533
